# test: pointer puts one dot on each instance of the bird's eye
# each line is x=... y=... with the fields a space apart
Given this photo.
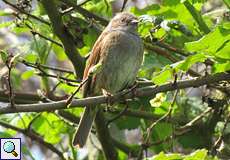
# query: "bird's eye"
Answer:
x=123 y=20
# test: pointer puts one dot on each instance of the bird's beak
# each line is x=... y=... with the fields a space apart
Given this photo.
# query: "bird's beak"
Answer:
x=134 y=22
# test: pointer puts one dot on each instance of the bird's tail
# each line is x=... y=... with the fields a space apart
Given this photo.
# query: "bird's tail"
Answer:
x=85 y=126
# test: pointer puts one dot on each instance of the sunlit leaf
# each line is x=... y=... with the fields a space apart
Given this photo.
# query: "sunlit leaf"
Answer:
x=198 y=155
x=27 y=74
x=32 y=58
x=188 y=62
x=59 y=52
x=6 y=24
x=158 y=100
x=221 y=67
x=211 y=43
x=4 y=55
x=163 y=76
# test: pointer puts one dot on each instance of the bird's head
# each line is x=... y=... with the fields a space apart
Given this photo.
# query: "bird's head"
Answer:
x=125 y=21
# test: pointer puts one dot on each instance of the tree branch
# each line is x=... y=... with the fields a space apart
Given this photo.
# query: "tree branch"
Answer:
x=104 y=137
x=66 y=38
x=140 y=92
x=28 y=98
x=20 y=97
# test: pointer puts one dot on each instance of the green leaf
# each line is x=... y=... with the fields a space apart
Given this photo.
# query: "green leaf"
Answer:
x=5 y=135
x=224 y=52
x=163 y=76
x=158 y=100
x=6 y=12
x=188 y=62
x=122 y=155
x=4 y=55
x=161 y=131
x=212 y=42
x=50 y=127
x=221 y=67
x=193 y=139
x=23 y=120
x=40 y=46
x=27 y=74
x=16 y=82
x=128 y=122
x=169 y=10
x=59 y=52
x=170 y=2
x=6 y=24
x=27 y=151
x=19 y=30
x=153 y=61
x=162 y=156
x=100 y=8
x=32 y=58
x=198 y=155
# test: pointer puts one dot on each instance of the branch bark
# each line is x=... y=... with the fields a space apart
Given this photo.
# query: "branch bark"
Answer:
x=140 y=92
x=104 y=137
x=66 y=38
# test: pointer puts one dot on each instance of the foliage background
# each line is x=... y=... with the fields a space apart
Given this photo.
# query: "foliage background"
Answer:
x=44 y=46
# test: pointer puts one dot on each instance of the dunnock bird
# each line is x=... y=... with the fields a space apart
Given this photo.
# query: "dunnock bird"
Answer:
x=119 y=53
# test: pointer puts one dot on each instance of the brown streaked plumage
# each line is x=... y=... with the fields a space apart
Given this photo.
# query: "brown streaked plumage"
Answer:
x=119 y=50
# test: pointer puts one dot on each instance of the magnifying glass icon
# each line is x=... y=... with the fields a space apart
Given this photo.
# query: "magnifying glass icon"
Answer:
x=9 y=147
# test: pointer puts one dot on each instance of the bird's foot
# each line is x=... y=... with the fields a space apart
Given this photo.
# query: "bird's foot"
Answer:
x=132 y=89
x=108 y=99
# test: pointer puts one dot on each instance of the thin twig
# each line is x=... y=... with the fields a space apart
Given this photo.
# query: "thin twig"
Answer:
x=172 y=48
x=146 y=142
x=70 y=117
x=149 y=130
x=9 y=64
x=65 y=80
x=46 y=38
x=195 y=120
x=123 y=5
x=44 y=73
x=60 y=82
x=24 y=12
x=33 y=120
x=38 y=65
x=117 y=116
x=69 y=100
x=85 y=12
x=70 y=9
x=11 y=93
